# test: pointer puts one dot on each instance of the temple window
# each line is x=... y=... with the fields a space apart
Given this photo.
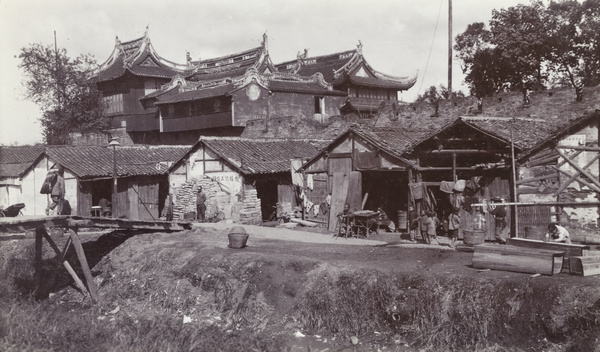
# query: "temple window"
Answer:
x=113 y=103
x=319 y=105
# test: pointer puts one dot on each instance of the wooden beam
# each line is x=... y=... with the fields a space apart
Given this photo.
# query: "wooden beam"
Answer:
x=37 y=264
x=91 y=285
x=575 y=176
x=583 y=172
x=539 y=178
x=591 y=186
x=579 y=147
x=66 y=264
x=464 y=151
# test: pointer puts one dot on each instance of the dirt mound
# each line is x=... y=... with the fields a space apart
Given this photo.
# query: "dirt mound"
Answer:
x=327 y=294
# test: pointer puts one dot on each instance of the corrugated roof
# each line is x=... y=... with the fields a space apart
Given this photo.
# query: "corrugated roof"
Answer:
x=14 y=161
x=95 y=162
x=262 y=156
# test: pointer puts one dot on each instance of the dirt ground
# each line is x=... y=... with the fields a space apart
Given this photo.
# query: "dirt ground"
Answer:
x=258 y=286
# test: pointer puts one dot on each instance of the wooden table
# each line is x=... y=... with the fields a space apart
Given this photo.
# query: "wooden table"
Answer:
x=363 y=221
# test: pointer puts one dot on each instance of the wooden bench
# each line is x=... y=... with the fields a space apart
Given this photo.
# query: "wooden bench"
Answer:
x=571 y=250
x=584 y=266
x=517 y=259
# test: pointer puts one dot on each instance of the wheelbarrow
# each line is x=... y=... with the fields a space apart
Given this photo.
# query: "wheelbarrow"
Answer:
x=12 y=211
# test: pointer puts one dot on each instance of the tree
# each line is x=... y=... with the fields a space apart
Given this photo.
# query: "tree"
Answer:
x=533 y=45
x=59 y=85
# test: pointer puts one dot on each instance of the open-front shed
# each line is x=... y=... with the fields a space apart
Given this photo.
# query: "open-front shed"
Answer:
x=365 y=168
x=141 y=178
x=246 y=180
x=559 y=180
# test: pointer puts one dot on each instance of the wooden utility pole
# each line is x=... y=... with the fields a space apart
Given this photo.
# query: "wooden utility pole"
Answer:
x=449 y=49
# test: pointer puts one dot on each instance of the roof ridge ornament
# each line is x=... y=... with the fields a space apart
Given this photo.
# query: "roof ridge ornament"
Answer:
x=265 y=42
x=359 y=47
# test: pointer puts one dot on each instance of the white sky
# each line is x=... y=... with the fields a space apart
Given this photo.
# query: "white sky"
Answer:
x=396 y=35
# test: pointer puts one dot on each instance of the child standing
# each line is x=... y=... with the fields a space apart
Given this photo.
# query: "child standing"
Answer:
x=453 y=226
x=424 y=222
x=432 y=226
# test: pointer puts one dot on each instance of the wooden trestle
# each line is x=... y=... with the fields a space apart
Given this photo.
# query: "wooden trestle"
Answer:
x=73 y=223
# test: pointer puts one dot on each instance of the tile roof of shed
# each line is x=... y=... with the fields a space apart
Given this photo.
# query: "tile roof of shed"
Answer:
x=14 y=161
x=97 y=162
x=262 y=156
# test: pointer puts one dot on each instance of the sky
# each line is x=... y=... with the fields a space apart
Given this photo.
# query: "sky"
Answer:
x=399 y=37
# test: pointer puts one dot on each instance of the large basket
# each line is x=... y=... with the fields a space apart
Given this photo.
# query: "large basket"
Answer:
x=473 y=237
x=237 y=237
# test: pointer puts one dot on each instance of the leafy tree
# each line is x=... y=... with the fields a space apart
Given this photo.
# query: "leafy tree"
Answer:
x=518 y=34
x=69 y=101
x=533 y=45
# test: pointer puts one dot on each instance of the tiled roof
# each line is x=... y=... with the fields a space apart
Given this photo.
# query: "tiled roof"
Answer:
x=302 y=87
x=324 y=64
x=14 y=161
x=226 y=66
x=527 y=132
x=375 y=82
x=95 y=162
x=195 y=94
x=262 y=156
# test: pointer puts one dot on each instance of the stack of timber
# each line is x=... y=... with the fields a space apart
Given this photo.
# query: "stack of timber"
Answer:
x=571 y=250
x=517 y=259
x=585 y=265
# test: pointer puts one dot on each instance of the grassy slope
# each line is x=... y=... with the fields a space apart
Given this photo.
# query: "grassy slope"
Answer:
x=161 y=292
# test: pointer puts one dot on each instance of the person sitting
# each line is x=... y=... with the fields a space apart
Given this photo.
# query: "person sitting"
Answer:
x=105 y=207
x=382 y=219
x=346 y=219
x=558 y=234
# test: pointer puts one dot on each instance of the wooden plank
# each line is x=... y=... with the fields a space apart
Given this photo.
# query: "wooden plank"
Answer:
x=338 y=197
x=22 y=224
x=585 y=266
x=91 y=285
x=539 y=178
x=517 y=259
x=579 y=147
x=571 y=250
x=354 y=196
x=37 y=264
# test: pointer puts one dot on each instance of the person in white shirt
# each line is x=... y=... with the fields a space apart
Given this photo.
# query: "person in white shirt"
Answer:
x=557 y=233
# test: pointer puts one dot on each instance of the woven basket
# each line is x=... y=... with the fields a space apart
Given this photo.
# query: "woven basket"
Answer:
x=237 y=237
x=473 y=237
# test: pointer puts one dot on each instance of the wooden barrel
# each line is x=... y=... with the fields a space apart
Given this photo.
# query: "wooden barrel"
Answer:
x=473 y=237
x=237 y=237
x=402 y=220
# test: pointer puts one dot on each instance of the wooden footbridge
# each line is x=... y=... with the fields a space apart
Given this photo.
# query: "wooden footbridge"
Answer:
x=40 y=226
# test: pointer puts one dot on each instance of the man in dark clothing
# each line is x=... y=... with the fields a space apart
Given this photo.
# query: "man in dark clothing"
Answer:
x=58 y=192
x=200 y=204
x=499 y=213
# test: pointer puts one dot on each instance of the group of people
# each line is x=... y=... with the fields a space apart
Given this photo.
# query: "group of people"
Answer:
x=428 y=223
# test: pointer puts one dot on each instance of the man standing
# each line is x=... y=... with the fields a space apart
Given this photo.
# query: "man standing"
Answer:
x=499 y=212
x=57 y=194
x=200 y=204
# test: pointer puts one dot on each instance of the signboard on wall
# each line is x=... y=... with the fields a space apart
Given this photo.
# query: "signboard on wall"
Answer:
x=230 y=182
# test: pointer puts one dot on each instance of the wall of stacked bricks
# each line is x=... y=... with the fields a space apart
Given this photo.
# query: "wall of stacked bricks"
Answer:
x=219 y=205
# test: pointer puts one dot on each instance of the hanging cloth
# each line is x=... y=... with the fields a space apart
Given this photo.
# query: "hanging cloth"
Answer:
x=309 y=181
x=459 y=186
x=297 y=176
x=416 y=189
x=447 y=187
